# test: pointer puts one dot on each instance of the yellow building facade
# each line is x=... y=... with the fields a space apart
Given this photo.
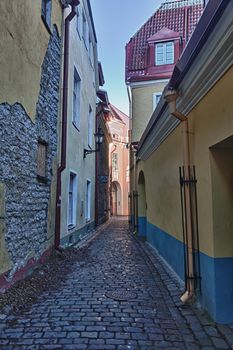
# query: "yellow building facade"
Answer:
x=29 y=109
x=205 y=88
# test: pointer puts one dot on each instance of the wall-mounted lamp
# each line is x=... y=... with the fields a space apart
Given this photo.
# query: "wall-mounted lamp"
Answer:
x=99 y=136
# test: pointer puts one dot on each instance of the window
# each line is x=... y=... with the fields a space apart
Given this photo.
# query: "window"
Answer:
x=115 y=162
x=156 y=98
x=164 y=53
x=90 y=118
x=78 y=21
x=72 y=202
x=88 y=201
x=85 y=31
x=41 y=160
x=76 y=99
x=91 y=52
x=46 y=9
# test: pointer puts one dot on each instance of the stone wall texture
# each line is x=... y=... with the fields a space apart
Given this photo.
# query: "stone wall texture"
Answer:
x=27 y=198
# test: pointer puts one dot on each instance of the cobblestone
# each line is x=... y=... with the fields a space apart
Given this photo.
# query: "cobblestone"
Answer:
x=80 y=315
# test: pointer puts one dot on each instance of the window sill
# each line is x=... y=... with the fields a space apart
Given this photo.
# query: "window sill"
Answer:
x=76 y=127
x=88 y=220
x=71 y=227
x=46 y=25
x=42 y=179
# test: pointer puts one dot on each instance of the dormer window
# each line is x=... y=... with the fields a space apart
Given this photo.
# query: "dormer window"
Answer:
x=164 y=53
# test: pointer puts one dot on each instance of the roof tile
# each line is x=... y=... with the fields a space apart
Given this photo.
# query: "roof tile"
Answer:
x=171 y=15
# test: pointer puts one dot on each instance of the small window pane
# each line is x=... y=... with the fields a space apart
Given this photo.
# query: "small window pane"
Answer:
x=76 y=99
x=164 y=53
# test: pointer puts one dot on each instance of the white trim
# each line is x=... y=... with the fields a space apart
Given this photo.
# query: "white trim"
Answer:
x=72 y=223
x=77 y=92
x=154 y=99
x=90 y=127
x=148 y=82
x=88 y=200
x=164 y=53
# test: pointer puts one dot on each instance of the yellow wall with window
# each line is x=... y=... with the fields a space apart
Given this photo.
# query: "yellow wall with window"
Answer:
x=142 y=107
x=210 y=123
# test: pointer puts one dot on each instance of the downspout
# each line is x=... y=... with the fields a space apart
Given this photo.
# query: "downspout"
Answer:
x=171 y=97
x=62 y=166
x=111 y=201
x=135 y=193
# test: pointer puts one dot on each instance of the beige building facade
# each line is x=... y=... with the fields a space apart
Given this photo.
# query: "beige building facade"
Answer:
x=118 y=123
x=78 y=178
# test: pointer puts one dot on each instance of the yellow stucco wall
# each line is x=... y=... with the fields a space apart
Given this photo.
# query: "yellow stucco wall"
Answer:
x=5 y=263
x=23 y=43
x=142 y=107
x=210 y=122
x=162 y=186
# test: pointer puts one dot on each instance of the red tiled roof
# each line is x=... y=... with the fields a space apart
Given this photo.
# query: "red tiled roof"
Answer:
x=117 y=113
x=171 y=15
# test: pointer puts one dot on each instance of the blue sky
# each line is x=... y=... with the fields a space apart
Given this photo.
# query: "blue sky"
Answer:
x=115 y=23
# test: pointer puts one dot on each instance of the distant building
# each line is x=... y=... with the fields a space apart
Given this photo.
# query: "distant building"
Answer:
x=118 y=123
x=151 y=55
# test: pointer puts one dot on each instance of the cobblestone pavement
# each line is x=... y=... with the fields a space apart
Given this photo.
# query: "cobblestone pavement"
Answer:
x=83 y=313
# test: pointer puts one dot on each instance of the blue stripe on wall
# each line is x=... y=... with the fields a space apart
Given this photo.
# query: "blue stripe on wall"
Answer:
x=216 y=274
x=169 y=247
x=142 y=226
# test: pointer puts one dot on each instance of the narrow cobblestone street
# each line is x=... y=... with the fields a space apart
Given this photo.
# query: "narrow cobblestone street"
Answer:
x=121 y=296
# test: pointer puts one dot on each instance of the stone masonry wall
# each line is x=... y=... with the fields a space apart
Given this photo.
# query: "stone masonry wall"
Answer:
x=27 y=198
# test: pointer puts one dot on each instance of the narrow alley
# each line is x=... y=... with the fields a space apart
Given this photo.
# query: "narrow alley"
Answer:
x=119 y=296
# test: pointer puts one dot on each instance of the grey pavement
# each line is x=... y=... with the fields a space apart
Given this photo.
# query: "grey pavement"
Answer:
x=121 y=296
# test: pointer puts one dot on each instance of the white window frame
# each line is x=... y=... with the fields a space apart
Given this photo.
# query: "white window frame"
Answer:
x=46 y=12
x=164 y=60
x=91 y=51
x=85 y=31
x=90 y=127
x=76 y=99
x=78 y=21
x=72 y=199
x=88 y=200
x=156 y=99
x=115 y=162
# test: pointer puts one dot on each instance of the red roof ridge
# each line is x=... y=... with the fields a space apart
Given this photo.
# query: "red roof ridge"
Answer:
x=118 y=114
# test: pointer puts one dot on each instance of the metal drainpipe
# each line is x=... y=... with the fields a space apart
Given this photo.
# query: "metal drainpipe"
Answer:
x=111 y=201
x=135 y=194
x=171 y=96
x=62 y=166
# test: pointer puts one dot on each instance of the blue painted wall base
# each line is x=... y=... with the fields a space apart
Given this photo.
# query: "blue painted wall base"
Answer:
x=142 y=226
x=216 y=274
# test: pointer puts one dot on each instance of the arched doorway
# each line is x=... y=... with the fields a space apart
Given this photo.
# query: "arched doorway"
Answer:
x=142 y=206
x=116 y=199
